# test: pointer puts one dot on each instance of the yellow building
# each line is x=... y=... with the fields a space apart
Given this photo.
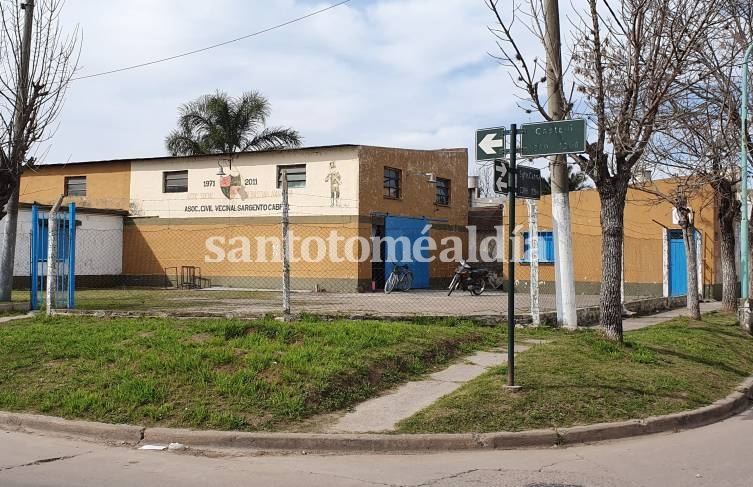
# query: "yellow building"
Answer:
x=222 y=215
x=652 y=246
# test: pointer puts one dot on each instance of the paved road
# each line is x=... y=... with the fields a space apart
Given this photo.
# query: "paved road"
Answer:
x=413 y=303
x=715 y=456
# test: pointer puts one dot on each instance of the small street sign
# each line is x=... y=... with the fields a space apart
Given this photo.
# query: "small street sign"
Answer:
x=528 y=183
x=552 y=138
x=490 y=143
x=501 y=177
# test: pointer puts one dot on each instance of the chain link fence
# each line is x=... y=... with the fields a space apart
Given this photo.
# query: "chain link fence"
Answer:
x=338 y=266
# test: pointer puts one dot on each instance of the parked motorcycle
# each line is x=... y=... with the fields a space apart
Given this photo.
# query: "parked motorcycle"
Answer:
x=469 y=279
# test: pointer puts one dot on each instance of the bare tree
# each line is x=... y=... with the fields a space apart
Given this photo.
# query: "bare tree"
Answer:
x=37 y=63
x=631 y=58
x=704 y=140
x=682 y=189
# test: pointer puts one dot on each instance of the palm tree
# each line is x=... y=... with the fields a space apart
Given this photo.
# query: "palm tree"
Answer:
x=576 y=180
x=219 y=123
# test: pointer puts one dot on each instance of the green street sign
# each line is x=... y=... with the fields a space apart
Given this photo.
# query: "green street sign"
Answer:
x=551 y=138
x=490 y=143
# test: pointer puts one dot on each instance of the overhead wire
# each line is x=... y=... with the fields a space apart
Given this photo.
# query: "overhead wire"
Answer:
x=213 y=46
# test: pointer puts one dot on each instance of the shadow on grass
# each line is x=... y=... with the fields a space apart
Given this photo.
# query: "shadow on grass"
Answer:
x=698 y=360
x=615 y=389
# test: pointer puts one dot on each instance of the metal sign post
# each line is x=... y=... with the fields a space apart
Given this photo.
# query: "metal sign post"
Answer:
x=537 y=139
x=511 y=259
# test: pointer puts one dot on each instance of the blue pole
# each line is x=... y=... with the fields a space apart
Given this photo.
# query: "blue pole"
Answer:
x=71 y=255
x=744 y=180
x=34 y=275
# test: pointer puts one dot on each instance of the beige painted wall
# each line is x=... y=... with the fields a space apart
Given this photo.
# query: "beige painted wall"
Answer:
x=258 y=196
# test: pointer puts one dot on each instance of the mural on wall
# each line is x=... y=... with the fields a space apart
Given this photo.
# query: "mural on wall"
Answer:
x=334 y=179
x=219 y=189
x=232 y=185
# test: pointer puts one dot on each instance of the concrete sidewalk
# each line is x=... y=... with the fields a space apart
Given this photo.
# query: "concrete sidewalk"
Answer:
x=636 y=323
x=6 y=319
x=382 y=413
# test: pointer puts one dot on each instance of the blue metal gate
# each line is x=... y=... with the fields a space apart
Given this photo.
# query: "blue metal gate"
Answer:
x=401 y=234
x=64 y=261
x=678 y=264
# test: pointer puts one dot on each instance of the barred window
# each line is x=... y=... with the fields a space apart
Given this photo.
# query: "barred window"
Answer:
x=75 y=186
x=296 y=175
x=443 y=192
x=175 y=182
x=546 y=247
x=392 y=183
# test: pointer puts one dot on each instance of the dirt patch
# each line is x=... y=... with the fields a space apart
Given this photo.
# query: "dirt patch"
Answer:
x=271 y=374
x=227 y=368
x=56 y=363
x=259 y=422
x=315 y=424
x=201 y=338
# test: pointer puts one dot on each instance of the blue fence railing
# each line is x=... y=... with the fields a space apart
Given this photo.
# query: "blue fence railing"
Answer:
x=64 y=262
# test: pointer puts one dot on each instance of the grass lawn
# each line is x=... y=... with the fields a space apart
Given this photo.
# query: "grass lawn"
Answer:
x=149 y=299
x=225 y=374
x=581 y=378
x=19 y=296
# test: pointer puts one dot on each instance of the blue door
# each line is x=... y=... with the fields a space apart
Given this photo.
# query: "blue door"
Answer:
x=678 y=265
x=400 y=234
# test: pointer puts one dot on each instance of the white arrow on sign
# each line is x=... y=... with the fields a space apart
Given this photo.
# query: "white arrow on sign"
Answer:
x=489 y=143
x=501 y=182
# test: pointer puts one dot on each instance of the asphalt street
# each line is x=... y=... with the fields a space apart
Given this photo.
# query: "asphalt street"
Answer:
x=714 y=456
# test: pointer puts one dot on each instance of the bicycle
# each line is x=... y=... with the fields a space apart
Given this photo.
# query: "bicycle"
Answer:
x=401 y=278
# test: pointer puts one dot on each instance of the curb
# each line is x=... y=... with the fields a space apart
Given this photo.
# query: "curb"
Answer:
x=34 y=423
x=722 y=409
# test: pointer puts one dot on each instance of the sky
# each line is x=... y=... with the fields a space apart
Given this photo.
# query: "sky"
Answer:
x=401 y=73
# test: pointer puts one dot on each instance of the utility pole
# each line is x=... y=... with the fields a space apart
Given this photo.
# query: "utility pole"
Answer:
x=7 y=259
x=285 y=247
x=563 y=246
x=533 y=259
x=745 y=313
x=52 y=257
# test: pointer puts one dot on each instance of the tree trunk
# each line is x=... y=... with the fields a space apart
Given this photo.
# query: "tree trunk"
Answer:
x=7 y=258
x=728 y=209
x=612 y=225
x=694 y=305
x=729 y=273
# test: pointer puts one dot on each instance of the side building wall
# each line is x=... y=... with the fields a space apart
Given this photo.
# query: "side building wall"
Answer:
x=99 y=249
x=646 y=223
x=417 y=200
